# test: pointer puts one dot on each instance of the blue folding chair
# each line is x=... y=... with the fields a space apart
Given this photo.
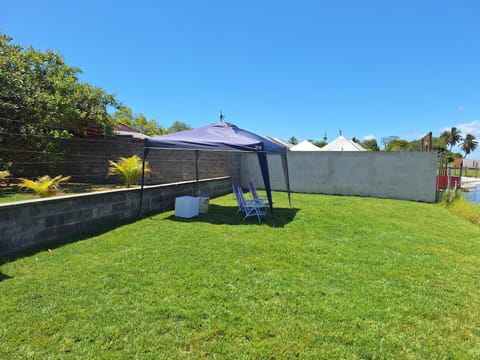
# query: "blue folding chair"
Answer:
x=249 y=207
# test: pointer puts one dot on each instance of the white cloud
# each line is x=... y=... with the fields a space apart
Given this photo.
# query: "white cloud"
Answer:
x=369 y=137
x=413 y=135
x=462 y=108
x=470 y=128
x=467 y=128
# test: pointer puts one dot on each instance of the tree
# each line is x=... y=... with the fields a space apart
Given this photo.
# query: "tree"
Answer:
x=293 y=140
x=469 y=144
x=398 y=145
x=39 y=87
x=145 y=126
x=138 y=121
x=178 y=126
x=437 y=145
x=42 y=102
x=452 y=137
x=320 y=143
x=370 y=145
x=388 y=139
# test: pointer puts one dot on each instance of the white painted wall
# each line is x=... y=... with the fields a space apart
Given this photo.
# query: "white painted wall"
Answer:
x=397 y=175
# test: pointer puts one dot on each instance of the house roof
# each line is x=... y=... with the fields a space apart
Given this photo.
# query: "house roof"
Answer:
x=125 y=130
x=305 y=146
x=342 y=144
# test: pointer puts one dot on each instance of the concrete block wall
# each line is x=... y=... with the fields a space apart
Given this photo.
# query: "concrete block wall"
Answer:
x=37 y=222
x=179 y=165
x=395 y=175
x=86 y=160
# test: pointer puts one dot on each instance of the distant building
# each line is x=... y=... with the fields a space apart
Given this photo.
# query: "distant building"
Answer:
x=342 y=144
x=125 y=130
x=278 y=141
x=471 y=164
x=305 y=146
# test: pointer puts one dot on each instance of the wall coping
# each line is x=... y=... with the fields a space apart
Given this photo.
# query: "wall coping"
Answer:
x=98 y=193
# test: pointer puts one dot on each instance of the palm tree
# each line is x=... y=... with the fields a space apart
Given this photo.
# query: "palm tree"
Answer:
x=129 y=169
x=445 y=136
x=452 y=137
x=293 y=140
x=469 y=144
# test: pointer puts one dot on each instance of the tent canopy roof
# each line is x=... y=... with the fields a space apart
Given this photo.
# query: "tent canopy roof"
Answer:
x=305 y=145
x=221 y=136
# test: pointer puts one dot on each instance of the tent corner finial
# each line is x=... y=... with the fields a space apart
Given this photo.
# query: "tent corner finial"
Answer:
x=222 y=117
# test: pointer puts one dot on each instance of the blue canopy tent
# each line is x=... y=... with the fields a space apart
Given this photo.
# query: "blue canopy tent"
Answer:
x=222 y=136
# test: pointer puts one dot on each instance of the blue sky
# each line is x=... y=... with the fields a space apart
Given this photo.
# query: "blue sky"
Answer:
x=280 y=68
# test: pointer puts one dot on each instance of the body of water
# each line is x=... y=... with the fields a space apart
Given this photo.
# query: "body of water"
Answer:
x=473 y=195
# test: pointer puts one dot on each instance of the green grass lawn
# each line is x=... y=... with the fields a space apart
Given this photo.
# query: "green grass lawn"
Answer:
x=475 y=173
x=339 y=277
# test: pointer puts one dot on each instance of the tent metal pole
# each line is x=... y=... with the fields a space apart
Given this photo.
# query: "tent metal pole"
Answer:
x=197 y=152
x=145 y=154
x=263 y=162
x=286 y=176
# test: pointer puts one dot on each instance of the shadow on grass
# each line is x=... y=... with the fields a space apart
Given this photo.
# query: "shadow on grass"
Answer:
x=226 y=215
x=217 y=214
x=4 y=277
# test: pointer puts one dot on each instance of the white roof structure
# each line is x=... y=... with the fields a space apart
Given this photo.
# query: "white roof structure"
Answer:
x=342 y=144
x=278 y=141
x=127 y=130
x=134 y=134
x=305 y=146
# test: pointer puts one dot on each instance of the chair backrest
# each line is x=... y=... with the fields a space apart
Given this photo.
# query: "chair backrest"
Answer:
x=238 y=192
x=250 y=208
x=253 y=190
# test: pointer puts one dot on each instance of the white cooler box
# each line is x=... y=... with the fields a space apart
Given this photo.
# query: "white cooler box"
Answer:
x=203 y=202
x=186 y=206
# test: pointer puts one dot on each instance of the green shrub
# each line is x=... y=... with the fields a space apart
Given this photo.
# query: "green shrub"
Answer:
x=44 y=186
x=450 y=196
x=129 y=169
x=466 y=209
x=3 y=175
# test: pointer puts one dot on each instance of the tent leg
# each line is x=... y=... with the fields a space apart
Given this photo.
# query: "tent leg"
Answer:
x=145 y=154
x=196 y=172
x=287 y=177
x=262 y=160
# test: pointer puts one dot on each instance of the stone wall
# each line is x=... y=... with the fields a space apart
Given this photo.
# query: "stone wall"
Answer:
x=32 y=223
